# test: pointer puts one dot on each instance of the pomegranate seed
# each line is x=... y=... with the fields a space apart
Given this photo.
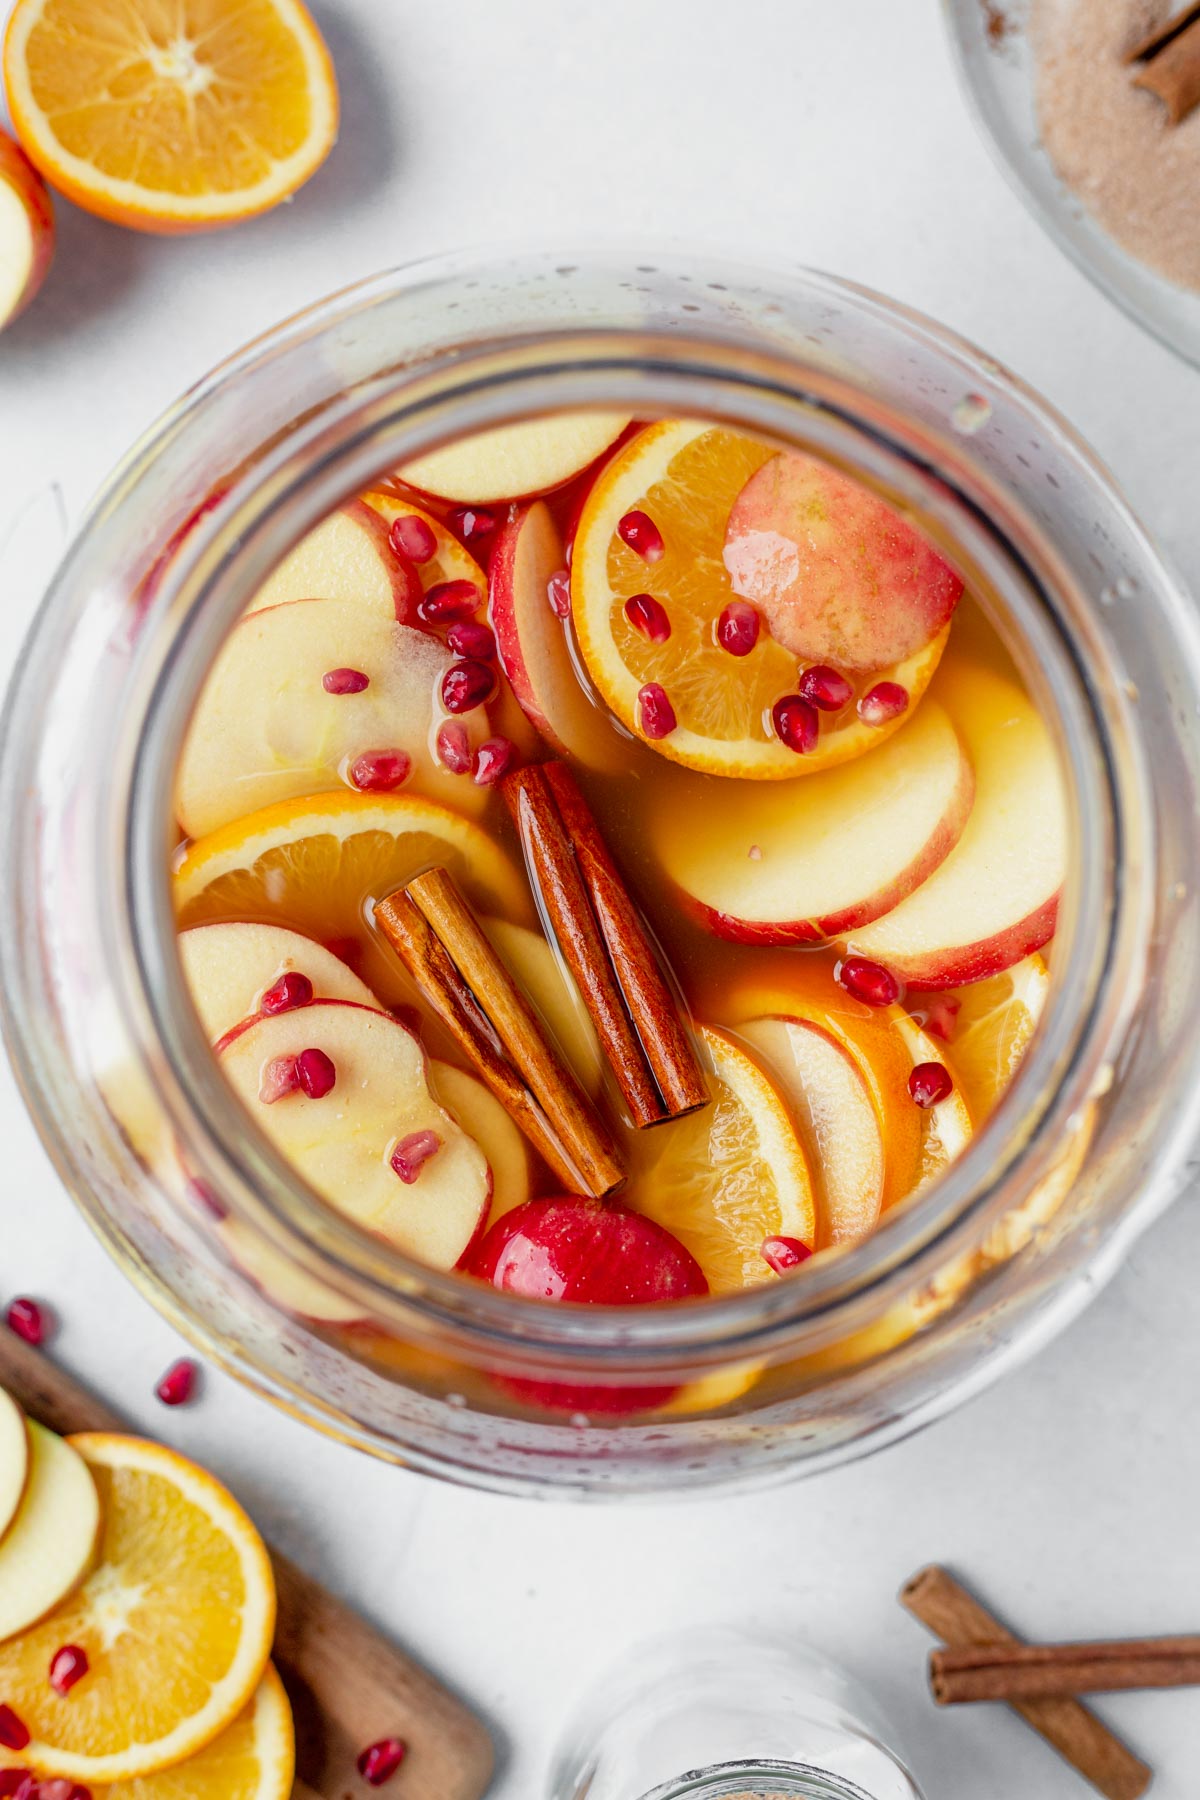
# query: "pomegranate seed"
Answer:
x=868 y=981
x=316 y=1073
x=473 y=523
x=13 y=1734
x=738 y=628
x=379 y=1762
x=939 y=1017
x=825 y=688
x=413 y=1152
x=883 y=703
x=290 y=991
x=638 y=530
x=59 y=1788
x=279 y=1077
x=13 y=1781
x=796 y=723
x=67 y=1666
x=28 y=1320
x=466 y=685
x=448 y=600
x=930 y=1083
x=657 y=713
x=454 y=747
x=558 y=592
x=412 y=537
x=496 y=757
x=467 y=637
x=784 y=1253
x=345 y=681
x=380 y=771
x=177 y=1386
x=649 y=616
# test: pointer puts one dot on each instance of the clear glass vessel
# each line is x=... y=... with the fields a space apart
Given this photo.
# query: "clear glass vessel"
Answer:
x=1089 y=1144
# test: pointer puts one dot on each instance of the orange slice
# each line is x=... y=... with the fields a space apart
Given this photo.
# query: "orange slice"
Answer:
x=171 y=115
x=686 y=477
x=946 y=1128
x=991 y=1030
x=252 y=1759
x=176 y=1620
x=730 y=1175
x=317 y=864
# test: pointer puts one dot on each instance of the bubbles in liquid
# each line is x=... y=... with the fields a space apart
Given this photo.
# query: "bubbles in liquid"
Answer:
x=971 y=414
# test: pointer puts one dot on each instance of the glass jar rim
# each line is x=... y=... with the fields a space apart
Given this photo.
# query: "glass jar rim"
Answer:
x=798 y=1780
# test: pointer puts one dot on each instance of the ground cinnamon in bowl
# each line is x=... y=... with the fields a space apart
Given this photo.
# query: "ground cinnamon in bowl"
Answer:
x=1112 y=142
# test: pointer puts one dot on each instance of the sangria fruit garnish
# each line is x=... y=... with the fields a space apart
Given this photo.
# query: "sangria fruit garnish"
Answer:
x=684 y=871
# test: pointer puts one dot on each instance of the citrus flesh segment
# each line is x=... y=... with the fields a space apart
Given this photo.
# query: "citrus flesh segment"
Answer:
x=252 y=1759
x=512 y=462
x=728 y=1176
x=14 y=1460
x=51 y=1542
x=318 y=866
x=228 y=969
x=993 y=1023
x=686 y=476
x=171 y=115
x=176 y=1620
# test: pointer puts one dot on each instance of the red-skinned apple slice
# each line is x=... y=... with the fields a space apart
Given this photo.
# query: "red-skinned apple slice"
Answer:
x=345 y=1141
x=995 y=897
x=266 y=727
x=228 y=968
x=346 y=557
x=839 y=575
x=513 y=462
x=14 y=1459
x=51 y=1543
x=834 y=1115
x=798 y=862
x=26 y=230
x=482 y=1117
x=535 y=646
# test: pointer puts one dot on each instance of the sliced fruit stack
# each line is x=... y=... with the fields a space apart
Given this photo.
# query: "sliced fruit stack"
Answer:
x=797 y=737
x=137 y=1613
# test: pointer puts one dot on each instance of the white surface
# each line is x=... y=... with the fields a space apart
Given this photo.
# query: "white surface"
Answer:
x=835 y=133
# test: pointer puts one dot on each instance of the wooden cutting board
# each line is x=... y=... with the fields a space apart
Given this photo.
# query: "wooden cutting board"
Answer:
x=349 y=1686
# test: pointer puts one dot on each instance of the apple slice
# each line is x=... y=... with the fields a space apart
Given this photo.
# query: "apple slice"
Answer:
x=837 y=1122
x=476 y=1109
x=26 y=230
x=14 y=1460
x=546 y=980
x=51 y=1544
x=994 y=899
x=290 y=1288
x=270 y=725
x=513 y=462
x=349 y=1140
x=799 y=861
x=839 y=575
x=228 y=969
x=346 y=557
x=534 y=644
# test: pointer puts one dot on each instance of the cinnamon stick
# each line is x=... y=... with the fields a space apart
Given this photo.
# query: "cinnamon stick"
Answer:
x=606 y=946
x=968 y=1672
x=954 y=1614
x=432 y=930
x=1170 y=59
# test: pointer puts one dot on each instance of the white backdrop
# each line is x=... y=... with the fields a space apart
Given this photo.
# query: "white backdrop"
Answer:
x=834 y=134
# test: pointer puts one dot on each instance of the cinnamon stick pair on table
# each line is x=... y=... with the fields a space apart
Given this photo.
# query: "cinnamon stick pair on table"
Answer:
x=601 y=936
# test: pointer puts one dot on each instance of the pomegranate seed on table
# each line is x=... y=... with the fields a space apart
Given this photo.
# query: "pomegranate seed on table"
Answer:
x=825 y=688
x=784 y=1253
x=473 y=523
x=930 y=1083
x=470 y=637
x=345 y=681
x=454 y=748
x=496 y=757
x=655 y=711
x=413 y=538
x=379 y=1762
x=883 y=703
x=638 y=530
x=279 y=1077
x=447 y=601
x=28 y=1320
x=284 y=995
x=178 y=1385
x=796 y=723
x=738 y=628
x=868 y=981
x=558 y=592
x=466 y=685
x=14 y=1734
x=67 y=1666
x=380 y=771
x=649 y=616
x=413 y=1152
x=316 y=1073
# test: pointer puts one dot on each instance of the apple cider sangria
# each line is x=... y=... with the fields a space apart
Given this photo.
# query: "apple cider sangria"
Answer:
x=618 y=862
